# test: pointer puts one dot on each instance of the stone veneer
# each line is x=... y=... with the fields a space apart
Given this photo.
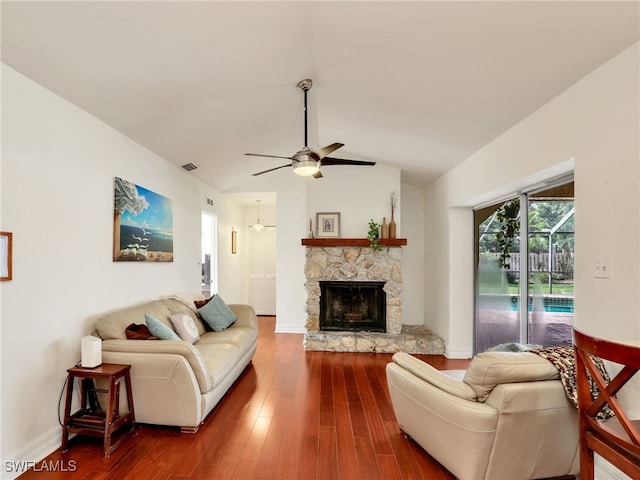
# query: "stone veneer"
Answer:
x=355 y=263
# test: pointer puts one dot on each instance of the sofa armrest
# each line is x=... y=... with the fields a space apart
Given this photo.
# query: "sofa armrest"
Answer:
x=246 y=315
x=165 y=390
x=426 y=372
x=184 y=349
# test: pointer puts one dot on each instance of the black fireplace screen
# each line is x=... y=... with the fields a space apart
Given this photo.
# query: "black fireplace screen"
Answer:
x=359 y=306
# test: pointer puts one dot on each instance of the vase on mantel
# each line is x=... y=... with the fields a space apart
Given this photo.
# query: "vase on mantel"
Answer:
x=392 y=227
x=384 y=228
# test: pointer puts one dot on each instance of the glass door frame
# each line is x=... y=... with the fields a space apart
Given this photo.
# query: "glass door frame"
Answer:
x=524 y=198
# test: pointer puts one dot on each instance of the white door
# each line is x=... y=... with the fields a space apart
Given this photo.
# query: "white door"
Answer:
x=262 y=270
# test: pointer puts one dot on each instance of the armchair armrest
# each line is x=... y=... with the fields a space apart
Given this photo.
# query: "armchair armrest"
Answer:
x=184 y=349
x=426 y=372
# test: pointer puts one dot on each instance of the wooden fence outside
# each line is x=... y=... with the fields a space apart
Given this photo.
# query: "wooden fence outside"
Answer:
x=562 y=261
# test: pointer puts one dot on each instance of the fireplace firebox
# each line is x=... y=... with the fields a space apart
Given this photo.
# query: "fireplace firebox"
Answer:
x=353 y=306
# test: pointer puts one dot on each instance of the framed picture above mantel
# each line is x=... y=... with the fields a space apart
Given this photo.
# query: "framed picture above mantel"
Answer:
x=328 y=224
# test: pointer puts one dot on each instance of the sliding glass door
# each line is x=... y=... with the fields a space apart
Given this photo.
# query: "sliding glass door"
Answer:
x=539 y=311
x=551 y=258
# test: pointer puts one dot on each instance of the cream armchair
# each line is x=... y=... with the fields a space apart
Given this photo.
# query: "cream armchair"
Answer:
x=505 y=418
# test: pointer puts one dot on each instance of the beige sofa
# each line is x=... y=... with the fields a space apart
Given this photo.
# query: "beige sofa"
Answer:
x=506 y=417
x=175 y=382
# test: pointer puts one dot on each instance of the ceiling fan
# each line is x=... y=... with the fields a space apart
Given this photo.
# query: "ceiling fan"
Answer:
x=307 y=162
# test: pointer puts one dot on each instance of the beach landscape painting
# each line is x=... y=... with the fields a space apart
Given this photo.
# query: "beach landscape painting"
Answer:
x=142 y=224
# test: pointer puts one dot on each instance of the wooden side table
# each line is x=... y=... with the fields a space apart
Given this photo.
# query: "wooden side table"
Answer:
x=91 y=421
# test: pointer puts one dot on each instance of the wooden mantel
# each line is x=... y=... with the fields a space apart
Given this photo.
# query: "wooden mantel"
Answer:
x=351 y=242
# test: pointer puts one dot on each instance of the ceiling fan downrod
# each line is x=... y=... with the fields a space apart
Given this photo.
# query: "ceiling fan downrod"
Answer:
x=304 y=86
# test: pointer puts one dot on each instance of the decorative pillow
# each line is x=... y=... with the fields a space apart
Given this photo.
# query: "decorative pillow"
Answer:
x=202 y=303
x=137 y=331
x=185 y=327
x=159 y=329
x=217 y=314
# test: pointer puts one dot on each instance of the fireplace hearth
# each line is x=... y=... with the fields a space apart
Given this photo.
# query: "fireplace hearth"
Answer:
x=353 y=306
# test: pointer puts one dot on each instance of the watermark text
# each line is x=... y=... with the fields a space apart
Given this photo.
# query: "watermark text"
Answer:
x=16 y=466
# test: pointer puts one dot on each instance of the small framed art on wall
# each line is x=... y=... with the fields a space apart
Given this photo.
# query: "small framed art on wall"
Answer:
x=328 y=224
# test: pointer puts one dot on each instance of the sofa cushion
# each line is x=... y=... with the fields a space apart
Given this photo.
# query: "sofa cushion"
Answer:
x=185 y=327
x=160 y=330
x=241 y=337
x=217 y=314
x=114 y=324
x=489 y=369
x=220 y=359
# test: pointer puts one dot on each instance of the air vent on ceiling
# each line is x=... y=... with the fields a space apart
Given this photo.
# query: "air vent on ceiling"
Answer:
x=189 y=166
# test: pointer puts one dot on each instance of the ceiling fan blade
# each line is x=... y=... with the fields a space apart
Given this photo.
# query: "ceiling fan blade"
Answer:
x=318 y=174
x=271 y=169
x=267 y=156
x=324 y=151
x=342 y=161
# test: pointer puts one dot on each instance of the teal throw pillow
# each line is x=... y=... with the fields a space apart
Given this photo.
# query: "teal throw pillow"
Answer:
x=159 y=329
x=217 y=314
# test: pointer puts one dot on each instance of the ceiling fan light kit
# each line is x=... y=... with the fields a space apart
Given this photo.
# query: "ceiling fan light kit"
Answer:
x=306 y=168
x=307 y=162
x=304 y=164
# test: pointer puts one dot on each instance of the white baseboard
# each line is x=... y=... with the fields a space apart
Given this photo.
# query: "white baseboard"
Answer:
x=36 y=450
x=457 y=354
x=289 y=329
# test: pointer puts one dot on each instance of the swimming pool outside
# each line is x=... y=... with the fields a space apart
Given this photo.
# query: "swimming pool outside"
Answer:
x=550 y=303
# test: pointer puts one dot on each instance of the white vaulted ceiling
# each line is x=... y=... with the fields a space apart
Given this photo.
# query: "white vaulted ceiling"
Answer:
x=417 y=85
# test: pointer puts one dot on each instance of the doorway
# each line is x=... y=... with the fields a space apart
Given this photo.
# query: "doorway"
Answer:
x=209 y=256
x=540 y=249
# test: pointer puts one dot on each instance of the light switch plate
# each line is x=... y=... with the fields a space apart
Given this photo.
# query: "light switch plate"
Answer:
x=602 y=267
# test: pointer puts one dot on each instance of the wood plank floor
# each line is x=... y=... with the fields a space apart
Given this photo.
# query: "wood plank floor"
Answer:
x=292 y=415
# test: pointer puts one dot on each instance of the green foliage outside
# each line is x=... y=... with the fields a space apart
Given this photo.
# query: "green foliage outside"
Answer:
x=501 y=230
x=499 y=248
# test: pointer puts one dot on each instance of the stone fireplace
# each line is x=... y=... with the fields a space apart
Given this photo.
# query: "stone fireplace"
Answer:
x=348 y=264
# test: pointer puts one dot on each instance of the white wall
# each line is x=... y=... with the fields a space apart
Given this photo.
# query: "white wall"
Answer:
x=290 y=292
x=413 y=257
x=593 y=125
x=58 y=165
x=360 y=194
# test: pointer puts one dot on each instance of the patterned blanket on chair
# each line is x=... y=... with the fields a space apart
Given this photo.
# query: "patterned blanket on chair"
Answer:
x=564 y=359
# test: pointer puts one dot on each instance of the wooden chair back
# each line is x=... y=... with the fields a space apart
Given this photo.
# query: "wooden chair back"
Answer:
x=616 y=439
